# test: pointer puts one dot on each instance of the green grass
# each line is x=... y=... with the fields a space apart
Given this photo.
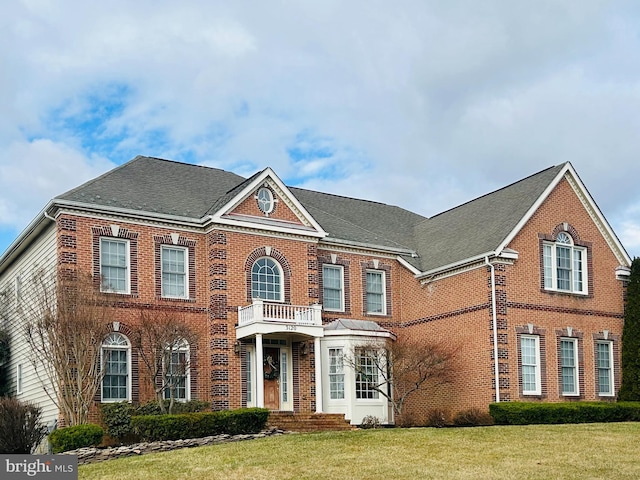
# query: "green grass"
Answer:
x=586 y=451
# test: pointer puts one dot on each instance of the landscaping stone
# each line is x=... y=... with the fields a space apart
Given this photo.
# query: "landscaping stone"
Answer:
x=96 y=454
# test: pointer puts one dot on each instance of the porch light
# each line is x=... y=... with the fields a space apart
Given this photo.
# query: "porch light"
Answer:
x=236 y=347
x=304 y=348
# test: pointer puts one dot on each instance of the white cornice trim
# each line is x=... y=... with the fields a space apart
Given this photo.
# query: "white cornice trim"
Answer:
x=408 y=266
x=269 y=176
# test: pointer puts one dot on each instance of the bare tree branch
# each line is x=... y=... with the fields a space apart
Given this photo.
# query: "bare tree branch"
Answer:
x=65 y=324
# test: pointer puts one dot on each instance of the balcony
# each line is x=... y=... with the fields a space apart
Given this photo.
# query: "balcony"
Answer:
x=264 y=318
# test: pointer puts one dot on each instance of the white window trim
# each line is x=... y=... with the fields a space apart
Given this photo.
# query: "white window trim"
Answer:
x=280 y=272
x=103 y=363
x=383 y=279
x=127 y=253
x=376 y=393
x=576 y=367
x=339 y=371
x=271 y=201
x=342 y=294
x=19 y=379
x=553 y=280
x=611 y=393
x=184 y=347
x=186 y=271
x=538 y=370
x=251 y=376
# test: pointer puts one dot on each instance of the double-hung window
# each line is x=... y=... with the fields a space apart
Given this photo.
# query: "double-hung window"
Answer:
x=569 y=366
x=604 y=359
x=114 y=265
x=177 y=372
x=375 y=292
x=366 y=376
x=530 y=364
x=336 y=374
x=174 y=272
x=333 y=288
x=565 y=265
x=116 y=359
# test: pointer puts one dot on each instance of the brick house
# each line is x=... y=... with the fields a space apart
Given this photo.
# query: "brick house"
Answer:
x=279 y=282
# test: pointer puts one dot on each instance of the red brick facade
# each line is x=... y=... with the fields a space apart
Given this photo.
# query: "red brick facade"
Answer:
x=455 y=309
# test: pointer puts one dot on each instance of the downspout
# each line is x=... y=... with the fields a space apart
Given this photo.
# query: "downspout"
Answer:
x=496 y=371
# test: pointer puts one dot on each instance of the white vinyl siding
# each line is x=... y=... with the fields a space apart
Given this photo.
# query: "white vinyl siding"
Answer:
x=530 y=366
x=37 y=263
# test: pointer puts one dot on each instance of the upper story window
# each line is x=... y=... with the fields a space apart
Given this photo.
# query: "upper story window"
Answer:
x=565 y=265
x=333 y=287
x=174 y=264
x=375 y=292
x=114 y=265
x=265 y=200
x=266 y=280
x=116 y=358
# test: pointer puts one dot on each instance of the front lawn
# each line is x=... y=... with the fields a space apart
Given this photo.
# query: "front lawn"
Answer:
x=585 y=451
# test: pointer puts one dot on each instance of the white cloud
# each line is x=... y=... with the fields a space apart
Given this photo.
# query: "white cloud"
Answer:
x=32 y=173
x=456 y=98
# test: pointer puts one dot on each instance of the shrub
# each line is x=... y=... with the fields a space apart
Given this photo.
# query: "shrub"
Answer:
x=117 y=420
x=370 y=421
x=78 y=436
x=20 y=427
x=438 y=417
x=472 y=418
x=525 y=413
x=199 y=424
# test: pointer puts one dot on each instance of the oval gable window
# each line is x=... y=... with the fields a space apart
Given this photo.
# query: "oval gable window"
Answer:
x=265 y=200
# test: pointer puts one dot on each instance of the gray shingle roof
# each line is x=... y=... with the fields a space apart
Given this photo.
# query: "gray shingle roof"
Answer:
x=479 y=226
x=349 y=324
x=156 y=186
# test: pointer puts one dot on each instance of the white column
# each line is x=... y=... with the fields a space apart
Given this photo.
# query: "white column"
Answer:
x=259 y=372
x=318 y=357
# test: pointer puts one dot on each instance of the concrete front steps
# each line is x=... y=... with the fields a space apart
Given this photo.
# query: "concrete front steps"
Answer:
x=309 y=422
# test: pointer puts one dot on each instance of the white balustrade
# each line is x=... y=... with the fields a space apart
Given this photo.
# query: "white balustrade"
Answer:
x=260 y=311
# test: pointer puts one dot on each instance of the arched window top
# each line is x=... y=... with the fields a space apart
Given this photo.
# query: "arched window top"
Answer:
x=266 y=279
x=564 y=238
x=115 y=339
x=179 y=344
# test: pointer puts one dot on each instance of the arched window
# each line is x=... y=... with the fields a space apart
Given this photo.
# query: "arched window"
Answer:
x=565 y=265
x=116 y=359
x=266 y=280
x=176 y=367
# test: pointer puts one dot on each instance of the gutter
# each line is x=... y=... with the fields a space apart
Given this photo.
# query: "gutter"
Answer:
x=496 y=371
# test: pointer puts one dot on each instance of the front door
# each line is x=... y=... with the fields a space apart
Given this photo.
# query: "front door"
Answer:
x=271 y=368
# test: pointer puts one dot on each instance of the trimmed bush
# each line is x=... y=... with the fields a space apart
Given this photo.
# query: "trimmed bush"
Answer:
x=117 y=420
x=20 y=427
x=199 y=424
x=473 y=417
x=78 y=436
x=527 y=413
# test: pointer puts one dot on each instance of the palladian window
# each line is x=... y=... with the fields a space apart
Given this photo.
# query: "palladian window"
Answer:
x=266 y=280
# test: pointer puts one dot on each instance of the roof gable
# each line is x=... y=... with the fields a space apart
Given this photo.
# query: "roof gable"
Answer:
x=240 y=207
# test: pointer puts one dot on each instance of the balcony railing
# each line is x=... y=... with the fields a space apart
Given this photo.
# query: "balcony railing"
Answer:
x=260 y=311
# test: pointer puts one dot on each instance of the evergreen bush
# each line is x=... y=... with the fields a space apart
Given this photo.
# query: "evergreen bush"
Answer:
x=78 y=436
x=630 y=388
x=527 y=413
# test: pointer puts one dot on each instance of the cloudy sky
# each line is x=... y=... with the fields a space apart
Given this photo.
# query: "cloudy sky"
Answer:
x=422 y=104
